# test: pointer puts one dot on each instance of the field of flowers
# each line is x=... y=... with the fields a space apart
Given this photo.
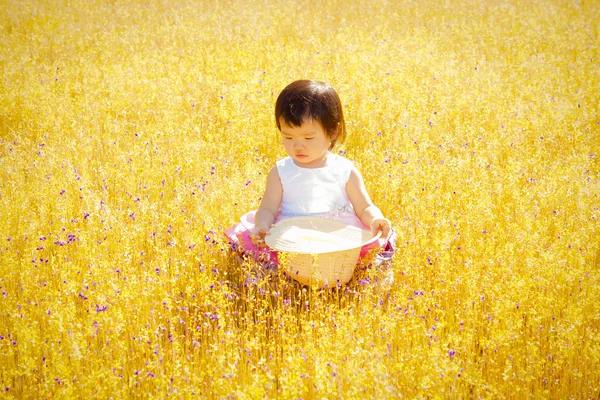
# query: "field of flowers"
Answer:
x=132 y=133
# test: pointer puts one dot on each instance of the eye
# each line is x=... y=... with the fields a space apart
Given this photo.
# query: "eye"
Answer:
x=309 y=138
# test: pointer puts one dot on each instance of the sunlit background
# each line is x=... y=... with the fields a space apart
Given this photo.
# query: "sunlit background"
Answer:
x=133 y=133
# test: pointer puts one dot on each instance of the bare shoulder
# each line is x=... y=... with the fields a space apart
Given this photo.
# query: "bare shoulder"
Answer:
x=355 y=180
x=273 y=175
x=274 y=187
x=356 y=191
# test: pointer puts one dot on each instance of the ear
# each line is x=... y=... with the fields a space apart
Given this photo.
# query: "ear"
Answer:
x=335 y=133
x=333 y=137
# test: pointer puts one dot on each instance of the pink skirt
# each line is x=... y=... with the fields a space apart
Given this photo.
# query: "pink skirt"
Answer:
x=240 y=239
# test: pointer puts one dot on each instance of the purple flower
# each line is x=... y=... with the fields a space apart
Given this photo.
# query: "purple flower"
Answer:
x=62 y=191
x=451 y=353
x=100 y=309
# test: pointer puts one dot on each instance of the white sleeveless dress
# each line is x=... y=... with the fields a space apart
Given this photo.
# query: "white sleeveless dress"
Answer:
x=317 y=192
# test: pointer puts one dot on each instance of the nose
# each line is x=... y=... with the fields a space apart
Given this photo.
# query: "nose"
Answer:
x=298 y=144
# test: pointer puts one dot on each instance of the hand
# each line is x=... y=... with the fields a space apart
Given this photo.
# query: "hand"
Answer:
x=257 y=234
x=381 y=224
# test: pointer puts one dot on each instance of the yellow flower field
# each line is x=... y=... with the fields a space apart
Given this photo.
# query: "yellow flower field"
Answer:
x=132 y=133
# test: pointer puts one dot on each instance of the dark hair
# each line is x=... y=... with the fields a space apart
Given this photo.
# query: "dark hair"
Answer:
x=304 y=100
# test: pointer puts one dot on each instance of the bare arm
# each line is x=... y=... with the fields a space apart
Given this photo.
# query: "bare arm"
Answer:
x=269 y=207
x=364 y=208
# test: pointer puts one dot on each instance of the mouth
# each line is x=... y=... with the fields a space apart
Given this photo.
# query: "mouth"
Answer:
x=301 y=155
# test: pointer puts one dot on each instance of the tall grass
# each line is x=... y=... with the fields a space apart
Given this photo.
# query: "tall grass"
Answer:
x=133 y=133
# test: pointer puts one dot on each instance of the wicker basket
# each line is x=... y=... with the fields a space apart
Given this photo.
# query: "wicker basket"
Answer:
x=318 y=251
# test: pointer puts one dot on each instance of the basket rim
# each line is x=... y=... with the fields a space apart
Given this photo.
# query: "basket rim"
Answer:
x=270 y=241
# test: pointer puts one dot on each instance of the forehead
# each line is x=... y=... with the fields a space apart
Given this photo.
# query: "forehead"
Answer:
x=307 y=126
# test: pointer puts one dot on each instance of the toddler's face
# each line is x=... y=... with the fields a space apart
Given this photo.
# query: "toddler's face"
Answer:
x=307 y=144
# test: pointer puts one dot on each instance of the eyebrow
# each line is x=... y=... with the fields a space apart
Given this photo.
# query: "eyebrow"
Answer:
x=301 y=134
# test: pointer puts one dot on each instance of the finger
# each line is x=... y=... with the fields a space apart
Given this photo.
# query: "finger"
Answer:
x=385 y=229
x=256 y=238
x=386 y=232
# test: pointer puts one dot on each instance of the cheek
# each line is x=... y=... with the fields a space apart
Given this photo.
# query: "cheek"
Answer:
x=320 y=143
x=288 y=146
